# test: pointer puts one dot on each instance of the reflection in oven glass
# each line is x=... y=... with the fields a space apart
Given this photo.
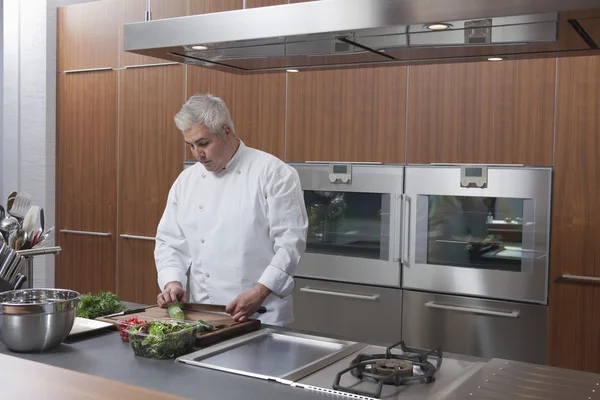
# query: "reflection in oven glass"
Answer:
x=347 y=223
x=476 y=232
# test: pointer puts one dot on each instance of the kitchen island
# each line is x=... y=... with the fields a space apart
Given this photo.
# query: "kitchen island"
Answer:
x=99 y=365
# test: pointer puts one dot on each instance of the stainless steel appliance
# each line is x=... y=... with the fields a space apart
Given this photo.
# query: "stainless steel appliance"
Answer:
x=354 y=213
x=475 y=265
x=337 y=33
x=478 y=230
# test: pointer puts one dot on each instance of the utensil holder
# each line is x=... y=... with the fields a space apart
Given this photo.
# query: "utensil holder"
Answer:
x=5 y=286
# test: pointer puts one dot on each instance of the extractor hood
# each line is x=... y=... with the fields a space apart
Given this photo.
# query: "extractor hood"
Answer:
x=339 y=33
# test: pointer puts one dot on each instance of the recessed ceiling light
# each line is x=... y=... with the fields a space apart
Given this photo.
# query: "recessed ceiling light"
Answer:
x=440 y=26
x=495 y=59
x=199 y=47
x=291 y=70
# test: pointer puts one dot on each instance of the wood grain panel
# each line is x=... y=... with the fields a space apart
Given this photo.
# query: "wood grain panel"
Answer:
x=256 y=104
x=137 y=271
x=211 y=6
x=86 y=151
x=347 y=115
x=486 y=112
x=86 y=264
x=574 y=308
x=54 y=383
x=134 y=11
x=88 y=35
x=264 y=3
x=150 y=144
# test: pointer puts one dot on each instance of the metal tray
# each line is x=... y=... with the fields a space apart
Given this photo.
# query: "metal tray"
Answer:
x=273 y=354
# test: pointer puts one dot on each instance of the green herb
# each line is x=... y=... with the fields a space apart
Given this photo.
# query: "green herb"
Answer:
x=162 y=340
x=175 y=312
x=96 y=305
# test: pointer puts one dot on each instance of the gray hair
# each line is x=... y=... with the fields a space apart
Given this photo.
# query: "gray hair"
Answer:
x=205 y=109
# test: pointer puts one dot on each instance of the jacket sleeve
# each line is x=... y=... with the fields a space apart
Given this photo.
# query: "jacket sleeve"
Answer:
x=288 y=226
x=171 y=253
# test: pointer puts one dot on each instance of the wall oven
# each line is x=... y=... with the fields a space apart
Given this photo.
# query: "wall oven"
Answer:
x=354 y=212
x=477 y=231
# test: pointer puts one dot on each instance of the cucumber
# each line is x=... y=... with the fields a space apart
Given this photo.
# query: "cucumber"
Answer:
x=175 y=312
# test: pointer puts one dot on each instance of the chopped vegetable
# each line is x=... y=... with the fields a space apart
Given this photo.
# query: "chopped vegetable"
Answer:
x=204 y=326
x=126 y=324
x=96 y=305
x=175 y=312
x=162 y=340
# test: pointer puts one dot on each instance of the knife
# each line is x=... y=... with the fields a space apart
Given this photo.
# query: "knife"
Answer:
x=212 y=307
x=130 y=311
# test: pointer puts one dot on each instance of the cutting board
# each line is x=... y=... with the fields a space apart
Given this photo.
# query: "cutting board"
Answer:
x=225 y=326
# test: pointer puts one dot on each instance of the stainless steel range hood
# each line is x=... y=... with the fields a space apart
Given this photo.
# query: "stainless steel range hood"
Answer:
x=337 y=33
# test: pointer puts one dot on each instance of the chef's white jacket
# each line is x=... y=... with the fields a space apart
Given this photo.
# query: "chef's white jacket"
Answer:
x=243 y=225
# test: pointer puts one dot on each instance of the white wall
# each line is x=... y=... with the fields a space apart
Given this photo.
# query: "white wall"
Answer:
x=29 y=109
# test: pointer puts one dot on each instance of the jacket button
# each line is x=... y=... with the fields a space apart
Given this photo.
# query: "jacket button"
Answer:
x=200 y=206
x=239 y=172
x=207 y=275
x=204 y=175
x=201 y=240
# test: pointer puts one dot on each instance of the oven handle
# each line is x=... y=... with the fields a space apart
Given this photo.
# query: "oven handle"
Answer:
x=511 y=314
x=371 y=297
x=405 y=229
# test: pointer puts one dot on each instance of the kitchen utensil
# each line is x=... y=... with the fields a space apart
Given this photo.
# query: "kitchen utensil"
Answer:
x=21 y=279
x=14 y=269
x=42 y=220
x=10 y=200
x=2 y=213
x=130 y=311
x=20 y=206
x=30 y=219
x=212 y=308
x=6 y=264
x=43 y=239
x=36 y=319
x=7 y=225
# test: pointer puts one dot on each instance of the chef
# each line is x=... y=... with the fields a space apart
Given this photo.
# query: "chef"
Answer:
x=235 y=223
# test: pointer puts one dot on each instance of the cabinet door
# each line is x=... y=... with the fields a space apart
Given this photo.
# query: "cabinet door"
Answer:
x=574 y=266
x=264 y=3
x=135 y=12
x=256 y=104
x=151 y=158
x=211 y=6
x=88 y=34
x=347 y=115
x=482 y=112
x=86 y=180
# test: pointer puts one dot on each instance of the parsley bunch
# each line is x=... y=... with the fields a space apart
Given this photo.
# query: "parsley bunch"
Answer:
x=96 y=305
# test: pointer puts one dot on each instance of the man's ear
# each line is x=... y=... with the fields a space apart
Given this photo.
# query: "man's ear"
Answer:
x=227 y=131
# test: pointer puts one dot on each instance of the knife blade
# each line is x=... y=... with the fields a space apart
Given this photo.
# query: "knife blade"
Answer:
x=130 y=311
x=212 y=308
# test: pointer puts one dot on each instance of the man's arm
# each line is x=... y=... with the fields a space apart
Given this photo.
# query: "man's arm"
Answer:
x=171 y=253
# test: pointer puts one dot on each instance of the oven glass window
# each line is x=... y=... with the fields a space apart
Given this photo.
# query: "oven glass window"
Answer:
x=348 y=224
x=476 y=232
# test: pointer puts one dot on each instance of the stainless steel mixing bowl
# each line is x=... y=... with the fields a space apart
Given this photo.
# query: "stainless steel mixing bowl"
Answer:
x=36 y=319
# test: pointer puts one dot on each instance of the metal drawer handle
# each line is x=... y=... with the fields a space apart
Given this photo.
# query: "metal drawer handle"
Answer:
x=583 y=278
x=512 y=314
x=84 y=232
x=405 y=230
x=371 y=297
x=127 y=236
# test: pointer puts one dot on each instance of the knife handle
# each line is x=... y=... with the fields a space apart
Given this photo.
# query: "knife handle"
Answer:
x=262 y=310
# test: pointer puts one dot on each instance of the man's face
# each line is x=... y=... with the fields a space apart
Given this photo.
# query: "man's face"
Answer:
x=209 y=149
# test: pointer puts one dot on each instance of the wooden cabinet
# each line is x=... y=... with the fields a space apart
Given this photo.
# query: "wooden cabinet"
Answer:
x=150 y=159
x=482 y=112
x=86 y=180
x=256 y=103
x=134 y=11
x=211 y=6
x=264 y=3
x=574 y=305
x=347 y=115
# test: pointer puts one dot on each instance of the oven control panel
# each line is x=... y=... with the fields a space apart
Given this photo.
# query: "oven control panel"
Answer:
x=340 y=173
x=473 y=176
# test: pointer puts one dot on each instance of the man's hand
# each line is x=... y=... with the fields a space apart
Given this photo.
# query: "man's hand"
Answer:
x=173 y=293
x=246 y=304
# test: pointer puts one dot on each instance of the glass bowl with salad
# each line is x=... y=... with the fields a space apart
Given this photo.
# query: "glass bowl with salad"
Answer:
x=163 y=339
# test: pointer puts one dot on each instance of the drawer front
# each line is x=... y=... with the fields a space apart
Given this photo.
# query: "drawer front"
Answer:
x=481 y=328
x=353 y=312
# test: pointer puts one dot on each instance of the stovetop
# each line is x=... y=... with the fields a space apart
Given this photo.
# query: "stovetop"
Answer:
x=396 y=372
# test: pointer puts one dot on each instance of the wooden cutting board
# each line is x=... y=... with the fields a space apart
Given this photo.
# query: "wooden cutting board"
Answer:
x=225 y=326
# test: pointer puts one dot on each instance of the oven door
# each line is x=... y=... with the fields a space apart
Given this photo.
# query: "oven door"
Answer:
x=354 y=231
x=477 y=230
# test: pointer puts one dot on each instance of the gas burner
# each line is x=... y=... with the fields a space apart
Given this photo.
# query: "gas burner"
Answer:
x=410 y=367
x=391 y=366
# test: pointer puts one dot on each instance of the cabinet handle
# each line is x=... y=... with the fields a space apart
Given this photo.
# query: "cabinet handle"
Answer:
x=397 y=229
x=150 y=65
x=126 y=236
x=371 y=297
x=511 y=314
x=75 y=71
x=582 y=278
x=84 y=232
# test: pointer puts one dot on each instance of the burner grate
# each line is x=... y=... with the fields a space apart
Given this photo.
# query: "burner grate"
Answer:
x=410 y=367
